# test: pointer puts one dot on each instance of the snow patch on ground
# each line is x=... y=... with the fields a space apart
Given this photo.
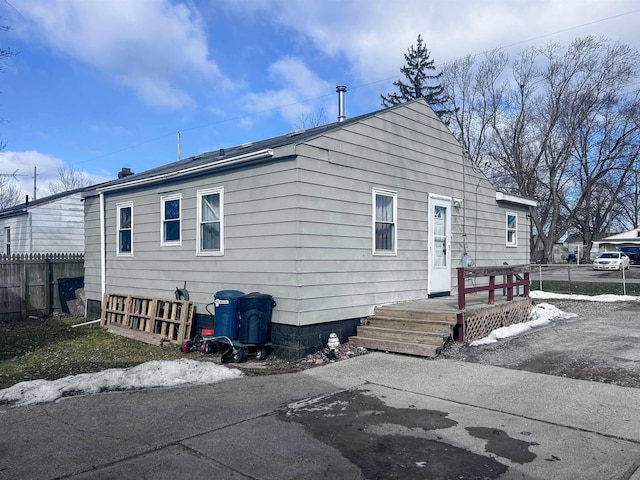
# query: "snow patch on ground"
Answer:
x=159 y=373
x=165 y=373
x=537 y=294
x=543 y=313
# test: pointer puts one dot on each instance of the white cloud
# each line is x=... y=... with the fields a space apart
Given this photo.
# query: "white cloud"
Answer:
x=374 y=34
x=297 y=82
x=154 y=47
x=23 y=163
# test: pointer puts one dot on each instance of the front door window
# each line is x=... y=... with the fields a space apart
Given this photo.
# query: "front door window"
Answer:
x=440 y=236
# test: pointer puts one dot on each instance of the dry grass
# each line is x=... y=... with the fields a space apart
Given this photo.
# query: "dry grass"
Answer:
x=586 y=288
x=50 y=349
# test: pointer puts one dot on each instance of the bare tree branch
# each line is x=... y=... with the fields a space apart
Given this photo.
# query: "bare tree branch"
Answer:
x=69 y=179
x=563 y=130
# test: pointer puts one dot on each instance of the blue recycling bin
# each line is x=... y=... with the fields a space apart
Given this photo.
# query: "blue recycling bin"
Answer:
x=255 y=317
x=226 y=322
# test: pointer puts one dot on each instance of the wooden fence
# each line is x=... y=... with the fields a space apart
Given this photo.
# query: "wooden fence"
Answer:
x=511 y=279
x=29 y=283
x=481 y=322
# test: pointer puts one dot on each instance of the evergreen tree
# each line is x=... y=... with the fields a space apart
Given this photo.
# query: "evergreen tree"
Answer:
x=421 y=83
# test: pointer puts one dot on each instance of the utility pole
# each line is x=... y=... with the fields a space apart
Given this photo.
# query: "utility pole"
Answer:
x=178 y=146
x=35 y=174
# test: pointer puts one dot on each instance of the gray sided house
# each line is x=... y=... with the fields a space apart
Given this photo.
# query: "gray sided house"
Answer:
x=53 y=224
x=330 y=221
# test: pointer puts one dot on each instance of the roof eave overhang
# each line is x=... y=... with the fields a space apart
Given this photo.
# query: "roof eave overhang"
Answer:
x=212 y=166
x=620 y=241
x=505 y=197
x=15 y=213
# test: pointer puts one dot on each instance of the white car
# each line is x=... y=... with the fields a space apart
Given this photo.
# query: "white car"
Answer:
x=611 y=261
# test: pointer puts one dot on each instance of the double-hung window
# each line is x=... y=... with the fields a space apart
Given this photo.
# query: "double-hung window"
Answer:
x=384 y=222
x=512 y=230
x=171 y=220
x=211 y=221
x=125 y=229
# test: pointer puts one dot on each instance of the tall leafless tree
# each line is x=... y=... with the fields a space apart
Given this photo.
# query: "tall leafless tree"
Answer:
x=560 y=129
x=311 y=120
x=69 y=179
x=10 y=191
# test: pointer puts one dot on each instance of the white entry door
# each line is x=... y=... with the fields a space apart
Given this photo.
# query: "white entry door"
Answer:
x=439 y=281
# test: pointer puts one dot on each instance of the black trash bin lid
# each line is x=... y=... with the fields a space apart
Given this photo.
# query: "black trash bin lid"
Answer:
x=228 y=294
x=257 y=296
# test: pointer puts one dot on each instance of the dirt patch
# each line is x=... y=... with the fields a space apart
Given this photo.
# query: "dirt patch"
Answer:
x=273 y=364
x=602 y=344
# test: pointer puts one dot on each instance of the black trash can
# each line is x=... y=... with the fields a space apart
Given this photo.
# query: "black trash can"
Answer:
x=255 y=317
x=226 y=321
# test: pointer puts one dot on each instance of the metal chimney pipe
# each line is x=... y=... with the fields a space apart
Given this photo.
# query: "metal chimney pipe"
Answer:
x=341 y=89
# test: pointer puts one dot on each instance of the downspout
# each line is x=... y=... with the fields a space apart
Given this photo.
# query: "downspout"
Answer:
x=466 y=260
x=103 y=252
x=30 y=230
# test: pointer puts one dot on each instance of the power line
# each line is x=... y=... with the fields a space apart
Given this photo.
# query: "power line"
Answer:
x=363 y=85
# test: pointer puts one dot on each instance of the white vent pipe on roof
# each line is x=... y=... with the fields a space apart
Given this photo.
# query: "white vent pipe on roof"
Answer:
x=341 y=89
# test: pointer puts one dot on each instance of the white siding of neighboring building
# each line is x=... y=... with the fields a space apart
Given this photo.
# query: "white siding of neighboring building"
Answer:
x=52 y=227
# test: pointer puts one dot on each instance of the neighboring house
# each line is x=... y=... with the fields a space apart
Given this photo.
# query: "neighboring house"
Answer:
x=331 y=221
x=53 y=224
x=571 y=244
x=630 y=238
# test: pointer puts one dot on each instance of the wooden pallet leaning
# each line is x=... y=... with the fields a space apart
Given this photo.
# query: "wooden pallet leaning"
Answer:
x=155 y=320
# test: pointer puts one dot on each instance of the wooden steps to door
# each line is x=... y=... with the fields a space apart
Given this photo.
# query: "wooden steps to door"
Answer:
x=413 y=329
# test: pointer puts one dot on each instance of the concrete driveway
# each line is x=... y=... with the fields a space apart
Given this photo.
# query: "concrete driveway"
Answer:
x=562 y=402
x=373 y=416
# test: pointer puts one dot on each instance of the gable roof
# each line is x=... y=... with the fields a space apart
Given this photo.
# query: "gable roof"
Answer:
x=225 y=157
x=23 y=208
x=631 y=236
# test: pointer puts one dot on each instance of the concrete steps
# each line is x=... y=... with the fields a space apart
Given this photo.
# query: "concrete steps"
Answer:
x=413 y=331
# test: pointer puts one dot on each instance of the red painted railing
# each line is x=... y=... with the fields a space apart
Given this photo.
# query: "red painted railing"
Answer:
x=513 y=276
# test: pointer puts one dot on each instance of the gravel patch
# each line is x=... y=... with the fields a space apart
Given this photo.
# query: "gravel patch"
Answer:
x=602 y=344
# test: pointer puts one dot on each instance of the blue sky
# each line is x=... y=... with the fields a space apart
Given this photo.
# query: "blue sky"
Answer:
x=98 y=85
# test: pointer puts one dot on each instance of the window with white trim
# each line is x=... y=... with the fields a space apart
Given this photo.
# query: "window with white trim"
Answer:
x=512 y=230
x=171 y=227
x=125 y=229
x=384 y=222
x=7 y=240
x=211 y=221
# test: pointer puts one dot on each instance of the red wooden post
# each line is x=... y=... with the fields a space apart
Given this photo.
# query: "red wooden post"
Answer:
x=527 y=285
x=509 y=287
x=492 y=289
x=461 y=292
x=460 y=324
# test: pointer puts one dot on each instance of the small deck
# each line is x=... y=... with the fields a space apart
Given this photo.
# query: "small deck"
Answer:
x=421 y=327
